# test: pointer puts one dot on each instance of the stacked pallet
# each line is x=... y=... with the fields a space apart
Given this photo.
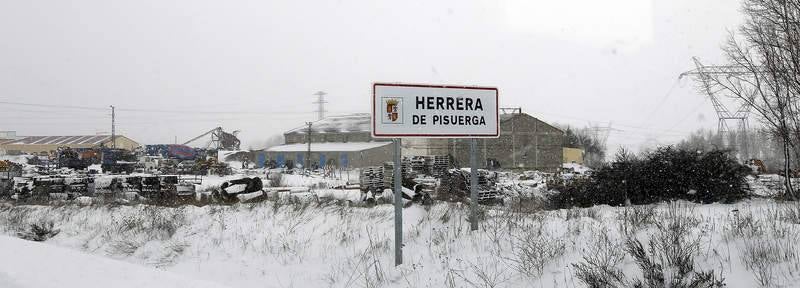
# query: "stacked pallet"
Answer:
x=372 y=178
x=388 y=175
x=421 y=165
x=439 y=166
x=455 y=186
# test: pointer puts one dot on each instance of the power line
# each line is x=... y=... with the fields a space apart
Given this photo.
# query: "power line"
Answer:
x=152 y=110
x=661 y=102
x=615 y=123
x=54 y=106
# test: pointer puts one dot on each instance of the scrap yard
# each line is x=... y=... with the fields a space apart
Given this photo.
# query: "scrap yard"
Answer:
x=344 y=162
x=399 y=144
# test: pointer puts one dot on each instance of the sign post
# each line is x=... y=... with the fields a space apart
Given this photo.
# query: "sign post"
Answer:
x=473 y=184
x=398 y=205
x=433 y=111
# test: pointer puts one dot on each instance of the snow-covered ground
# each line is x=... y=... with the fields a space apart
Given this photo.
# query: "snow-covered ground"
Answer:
x=28 y=264
x=302 y=244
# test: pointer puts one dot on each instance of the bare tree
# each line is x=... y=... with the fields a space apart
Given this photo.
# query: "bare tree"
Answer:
x=764 y=57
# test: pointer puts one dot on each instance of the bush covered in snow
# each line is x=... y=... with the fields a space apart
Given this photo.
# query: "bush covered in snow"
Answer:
x=664 y=174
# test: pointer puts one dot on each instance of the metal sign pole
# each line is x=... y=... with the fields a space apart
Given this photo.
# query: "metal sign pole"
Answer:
x=398 y=205
x=473 y=187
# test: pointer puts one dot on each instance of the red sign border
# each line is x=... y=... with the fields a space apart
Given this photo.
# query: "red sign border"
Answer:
x=497 y=111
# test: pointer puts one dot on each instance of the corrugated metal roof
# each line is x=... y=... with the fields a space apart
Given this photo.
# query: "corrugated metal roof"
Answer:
x=358 y=122
x=61 y=140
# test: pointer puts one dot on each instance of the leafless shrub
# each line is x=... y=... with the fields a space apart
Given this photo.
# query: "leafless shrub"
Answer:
x=577 y=213
x=39 y=231
x=599 y=266
x=16 y=219
x=276 y=205
x=790 y=213
x=671 y=249
x=124 y=247
x=497 y=228
x=533 y=250
x=743 y=225
x=367 y=267
x=632 y=219
x=171 y=252
x=664 y=269
x=680 y=213
x=488 y=275
x=668 y=260
x=444 y=212
x=762 y=257
x=131 y=231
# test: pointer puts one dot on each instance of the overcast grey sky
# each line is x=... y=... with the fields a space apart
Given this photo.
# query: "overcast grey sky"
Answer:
x=562 y=61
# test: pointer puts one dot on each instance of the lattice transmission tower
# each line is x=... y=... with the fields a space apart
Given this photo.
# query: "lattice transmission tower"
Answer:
x=704 y=74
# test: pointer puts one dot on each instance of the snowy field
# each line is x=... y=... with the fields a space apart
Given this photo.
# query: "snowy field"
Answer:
x=292 y=244
x=28 y=264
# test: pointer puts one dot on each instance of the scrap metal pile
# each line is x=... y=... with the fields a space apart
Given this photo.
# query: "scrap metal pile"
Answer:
x=427 y=174
x=229 y=190
x=455 y=186
x=8 y=171
x=164 y=189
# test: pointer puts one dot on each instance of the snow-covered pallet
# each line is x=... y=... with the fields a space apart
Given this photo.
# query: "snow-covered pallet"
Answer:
x=439 y=165
x=372 y=178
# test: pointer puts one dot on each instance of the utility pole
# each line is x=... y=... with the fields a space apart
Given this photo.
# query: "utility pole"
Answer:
x=308 y=139
x=113 y=128
x=321 y=104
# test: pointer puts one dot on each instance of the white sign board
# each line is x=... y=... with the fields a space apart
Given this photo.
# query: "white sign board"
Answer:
x=413 y=110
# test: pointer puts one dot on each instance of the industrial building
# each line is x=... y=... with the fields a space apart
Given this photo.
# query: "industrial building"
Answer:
x=336 y=141
x=525 y=142
x=46 y=144
x=345 y=155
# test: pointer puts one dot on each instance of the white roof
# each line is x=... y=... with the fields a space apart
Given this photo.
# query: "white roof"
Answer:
x=328 y=147
x=357 y=122
x=62 y=140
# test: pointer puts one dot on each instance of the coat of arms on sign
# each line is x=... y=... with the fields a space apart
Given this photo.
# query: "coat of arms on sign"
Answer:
x=393 y=112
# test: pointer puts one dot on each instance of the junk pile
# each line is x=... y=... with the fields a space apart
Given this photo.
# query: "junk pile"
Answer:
x=455 y=186
x=375 y=180
x=206 y=166
x=161 y=189
x=229 y=190
x=118 y=161
x=8 y=171
x=69 y=158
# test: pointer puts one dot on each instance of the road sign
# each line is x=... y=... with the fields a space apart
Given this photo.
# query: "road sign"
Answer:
x=434 y=111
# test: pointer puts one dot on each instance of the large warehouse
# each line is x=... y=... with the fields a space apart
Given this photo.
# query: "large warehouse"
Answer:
x=525 y=142
x=46 y=144
x=339 y=141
